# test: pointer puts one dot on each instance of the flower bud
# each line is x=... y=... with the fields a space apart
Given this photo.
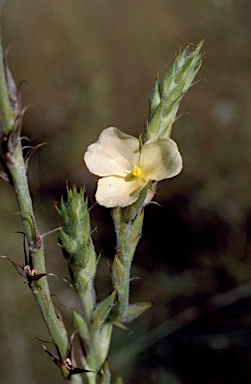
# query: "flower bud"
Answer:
x=77 y=243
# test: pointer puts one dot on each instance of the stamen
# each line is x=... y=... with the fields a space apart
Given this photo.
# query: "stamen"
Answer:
x=137 y=172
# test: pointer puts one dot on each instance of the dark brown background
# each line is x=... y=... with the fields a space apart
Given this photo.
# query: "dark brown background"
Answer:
x=87 y=65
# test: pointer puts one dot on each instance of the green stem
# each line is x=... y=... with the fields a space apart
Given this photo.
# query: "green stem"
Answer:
x=86 y=298
x=128 y=227
x=91 y=377
x=41 y=291
x=17 y=170
x=18 y=173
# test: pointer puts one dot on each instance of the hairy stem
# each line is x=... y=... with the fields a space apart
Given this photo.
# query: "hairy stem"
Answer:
x=16 y=166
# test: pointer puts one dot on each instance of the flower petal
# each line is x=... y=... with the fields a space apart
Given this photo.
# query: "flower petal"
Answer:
x=115 y=153
x=114 y=191
x=160 y=159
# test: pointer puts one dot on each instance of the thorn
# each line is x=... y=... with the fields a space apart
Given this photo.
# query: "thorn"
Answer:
x=52 y=231
x=30 y=153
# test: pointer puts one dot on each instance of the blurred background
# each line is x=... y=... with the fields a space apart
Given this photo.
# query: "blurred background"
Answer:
x=87 y=65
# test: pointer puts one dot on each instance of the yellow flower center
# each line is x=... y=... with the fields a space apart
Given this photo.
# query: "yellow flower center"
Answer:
x=137 y=173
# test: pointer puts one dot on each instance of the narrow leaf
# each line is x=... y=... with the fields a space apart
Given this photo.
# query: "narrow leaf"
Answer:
x=134 y=311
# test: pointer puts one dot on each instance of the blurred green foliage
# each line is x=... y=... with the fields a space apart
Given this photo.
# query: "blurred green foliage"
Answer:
x=87 y=65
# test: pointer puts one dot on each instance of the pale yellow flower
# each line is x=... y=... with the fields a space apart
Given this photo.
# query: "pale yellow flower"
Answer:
x=126 y=168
